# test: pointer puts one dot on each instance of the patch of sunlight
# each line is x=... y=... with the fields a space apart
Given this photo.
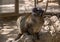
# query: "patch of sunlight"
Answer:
x=44 y=0
x=6 y=31
x=10 y=39
x=9 y=5
x=51 y=4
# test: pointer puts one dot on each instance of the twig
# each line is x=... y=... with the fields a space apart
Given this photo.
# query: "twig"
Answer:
x=46 y=7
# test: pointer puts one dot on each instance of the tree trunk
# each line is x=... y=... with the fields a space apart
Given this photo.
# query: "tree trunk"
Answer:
x=58 y=2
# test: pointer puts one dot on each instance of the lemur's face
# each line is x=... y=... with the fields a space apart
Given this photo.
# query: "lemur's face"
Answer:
x=37 y=12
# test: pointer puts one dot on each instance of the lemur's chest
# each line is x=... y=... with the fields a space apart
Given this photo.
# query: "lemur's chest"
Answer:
x=34 y=23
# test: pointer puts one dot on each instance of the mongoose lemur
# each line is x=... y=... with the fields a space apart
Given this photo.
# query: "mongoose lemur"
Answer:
x=31 y=24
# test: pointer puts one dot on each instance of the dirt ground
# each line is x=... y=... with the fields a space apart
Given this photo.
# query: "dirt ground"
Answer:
x=9 y=30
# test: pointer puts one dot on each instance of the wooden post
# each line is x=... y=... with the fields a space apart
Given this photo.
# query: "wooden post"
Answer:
x=16 y=6
x=35 y=3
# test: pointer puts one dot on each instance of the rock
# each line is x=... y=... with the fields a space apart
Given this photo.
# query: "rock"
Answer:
x=47 y=20
x=57 y=26
x=45 y=29
x=54 y=18
x=55 y=22
x=51 y=25
x=52 y=30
